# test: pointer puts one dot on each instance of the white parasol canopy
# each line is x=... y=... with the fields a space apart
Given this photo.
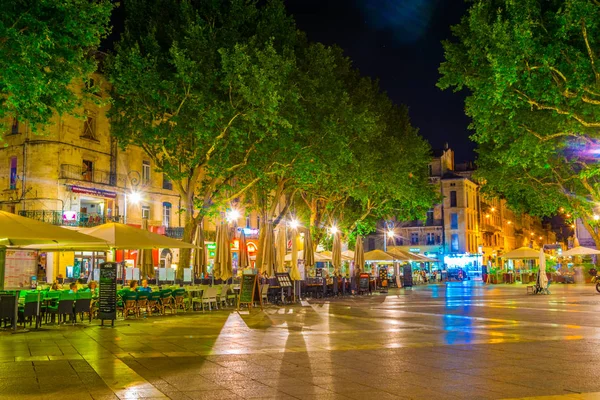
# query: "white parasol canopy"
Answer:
x=542 y=278
x=580 y=251
x=522 y=253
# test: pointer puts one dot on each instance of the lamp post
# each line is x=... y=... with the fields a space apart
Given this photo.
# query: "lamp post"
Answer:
x=388 y=235
x=134 y=197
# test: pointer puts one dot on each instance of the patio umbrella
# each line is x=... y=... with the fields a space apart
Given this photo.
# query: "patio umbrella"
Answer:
x=120 y=236
x=144 y=259
x=223 y=268
x=265 y=259
x=542 y=277
x=403 y=255
x=244 y=260
x=309 y=255
x=280 y=250
x=328 y=256
x=359 y=254
x=200 y=251
x=580 y=251
x=316 y=257
x=522 y=253
x=336 y=256
x=17 y=231
x=295 y=272
x=379 y=255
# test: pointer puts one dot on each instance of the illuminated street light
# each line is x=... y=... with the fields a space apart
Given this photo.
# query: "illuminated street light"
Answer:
x=233 y=215
x=531 y=233
x=540 y=238
x=294 y=224
x=487 y=215
x=493 y=209
x=135 y=197
x=509 y=222
x=596 y=217
x=334 y=230
x=390 y=234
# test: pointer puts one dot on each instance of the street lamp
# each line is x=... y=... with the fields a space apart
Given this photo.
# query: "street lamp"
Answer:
x=294 y=224
x=134 y=197
x=334 y=230
x=232 y=215
x=388 y=236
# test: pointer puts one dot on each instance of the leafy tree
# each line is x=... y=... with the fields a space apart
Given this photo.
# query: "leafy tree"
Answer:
x=531 y=68
x=200 y=86
x=45 y=47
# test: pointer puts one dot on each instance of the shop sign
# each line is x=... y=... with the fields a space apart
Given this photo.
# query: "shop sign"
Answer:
x=235 y=245
x=414 y=250
x=248 y=231
x=93 y=192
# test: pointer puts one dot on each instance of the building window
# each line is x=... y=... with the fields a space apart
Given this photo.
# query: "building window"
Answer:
x=145 y=172
x=414 y=238
x=166 y=214
x=13 y=173
x=453 y=221
x=248 y=222
x=14 y=128
x=89 y=126
x=167 y=184
x=371 y=243
x=430 y=239
x=453 y=198
x=454 y=243
x=145 y=212
x=87 y=170
x=430 y=216
x=438 y=239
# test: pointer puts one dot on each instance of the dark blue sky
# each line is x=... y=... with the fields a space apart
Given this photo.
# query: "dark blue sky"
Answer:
x=399 y=43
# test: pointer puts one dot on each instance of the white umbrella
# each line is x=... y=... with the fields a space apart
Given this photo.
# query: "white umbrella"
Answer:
x=542 y=278
x=522 y=253
x=580 y=251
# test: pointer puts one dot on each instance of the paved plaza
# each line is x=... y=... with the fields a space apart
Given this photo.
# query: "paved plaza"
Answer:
x=432 y=342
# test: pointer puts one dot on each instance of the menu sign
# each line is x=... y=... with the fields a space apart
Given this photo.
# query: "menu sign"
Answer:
x=249 y=291
x=284 y=279
x=363 y=282
x=408 y=279
x=383 y=280
x=107 y=299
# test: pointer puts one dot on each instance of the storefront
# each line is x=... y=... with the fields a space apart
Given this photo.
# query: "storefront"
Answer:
x=89 y=206
x=469 y=264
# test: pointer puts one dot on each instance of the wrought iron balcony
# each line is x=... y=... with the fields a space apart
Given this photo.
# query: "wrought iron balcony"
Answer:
x=174 y=233
x=79 y=173
x=69 y=218
x=427 y=222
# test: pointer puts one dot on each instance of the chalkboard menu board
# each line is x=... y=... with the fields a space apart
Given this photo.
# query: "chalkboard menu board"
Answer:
x=284 y=279
x=408 y=281
x=249 y=291
x=107 y=299
x=363 y=282
x=383 y=279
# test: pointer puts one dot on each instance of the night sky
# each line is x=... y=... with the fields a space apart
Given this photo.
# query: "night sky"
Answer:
x=399 y=43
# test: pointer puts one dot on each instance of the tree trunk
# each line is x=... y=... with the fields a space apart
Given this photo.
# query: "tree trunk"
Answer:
x=188 y=237
x=591 y=230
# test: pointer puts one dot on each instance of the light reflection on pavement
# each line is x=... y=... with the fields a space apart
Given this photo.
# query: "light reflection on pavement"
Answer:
x=439 y=341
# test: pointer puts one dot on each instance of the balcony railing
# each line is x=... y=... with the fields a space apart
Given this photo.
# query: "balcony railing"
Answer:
x=174 y=233
x=69 y=218
x=427 y=222
x=79 y=173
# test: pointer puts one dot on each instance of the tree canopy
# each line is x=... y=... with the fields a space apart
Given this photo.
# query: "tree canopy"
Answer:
x=531 y=70
x=46 y=46
x=234 y=105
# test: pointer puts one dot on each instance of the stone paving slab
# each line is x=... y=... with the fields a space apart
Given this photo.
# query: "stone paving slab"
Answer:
x=431 y=342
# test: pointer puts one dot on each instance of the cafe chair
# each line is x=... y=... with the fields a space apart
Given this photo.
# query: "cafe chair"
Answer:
x=83 y=305
x=209 y=296
x=29 y=309
x=130 y=304
x=178 y=299
x=63 y=307
x=154 y=303
x=167 y=300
